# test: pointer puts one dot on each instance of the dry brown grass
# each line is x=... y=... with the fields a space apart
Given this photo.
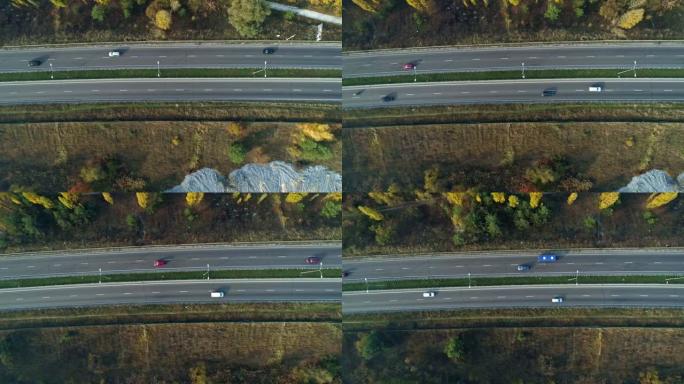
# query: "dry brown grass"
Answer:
x=374 y=156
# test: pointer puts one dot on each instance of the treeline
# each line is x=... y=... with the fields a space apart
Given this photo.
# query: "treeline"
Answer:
x=389 y=222
x=29 y=220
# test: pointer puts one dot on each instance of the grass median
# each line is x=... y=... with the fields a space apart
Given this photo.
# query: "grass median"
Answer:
x=515 y=75
x=494 y=281
x=157 y=276
x=168 y=73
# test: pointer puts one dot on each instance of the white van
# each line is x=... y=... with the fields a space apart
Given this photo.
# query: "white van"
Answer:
x=114 y=53
x=217 y=294
x=428 y=294
x=557 y=299
x=595 y=88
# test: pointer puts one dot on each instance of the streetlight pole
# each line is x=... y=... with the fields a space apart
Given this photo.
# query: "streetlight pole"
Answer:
x=100 y=280
x=523 y=70
x=577 y=278
x=468 y=279
x=52 y=73
x=366 y=279
x=634 y=69
x=265 y=68
x=207 y=271
x=414 y=73
x=158 y=73
x=320 y=268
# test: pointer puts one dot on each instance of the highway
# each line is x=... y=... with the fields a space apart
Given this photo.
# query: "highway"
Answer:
x=514 y=91
x=176 y=55
x=652 y=295
x=503 y=263
x=180 y=258
x=168 y=292
x=188 y=89
x=557 y=56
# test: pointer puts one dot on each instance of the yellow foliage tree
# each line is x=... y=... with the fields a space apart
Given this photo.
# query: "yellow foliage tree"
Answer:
x=334 y=196
x=430 y=180
x=262 y=198
x=37 y=199
x=514 y=2
x=607 y=199
x=535 y=199
x=371 y=6
x=234 y=129
x=423 y=6
x=108 y=198
x=316 y=132
x=513 y=201
x=499 y=197
x=631 y=18
x=69 y=200
x=143 y=199
x=478 y=198
x=163 y=20
x=294 y=198
x=659 y=199
x=572 y=197
x=387 y=198
x=371 y=213
x=193 y=198
x=455 y=198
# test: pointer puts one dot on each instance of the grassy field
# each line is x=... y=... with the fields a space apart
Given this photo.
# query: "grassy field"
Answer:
x=492 y=281
x=229 y=274
x=515 y=355
x=511 y=113
x=255 y=352
x=160 y=111
x=51 y=156
x=506 y=75
x=166 y=73
x=492 y=156
x=171 y=313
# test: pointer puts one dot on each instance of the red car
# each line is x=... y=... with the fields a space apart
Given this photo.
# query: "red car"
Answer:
x=409 y=66
x=160 y=263
x=313 y=260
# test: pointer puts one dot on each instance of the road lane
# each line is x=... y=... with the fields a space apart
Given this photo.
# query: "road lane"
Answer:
x=556 y=56
x=203 y=89
x=180 y=258
x=175 y=55
x=504 y=263
x=168 y=292
x=653 y=295
x=514 y=91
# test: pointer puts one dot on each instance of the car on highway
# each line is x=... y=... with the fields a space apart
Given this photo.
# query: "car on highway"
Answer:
x=409 y=66
x=345 y=273
x=596 y=88
x=268 y=51
x=549 y=92
x=523 y=267
x=557 y=299
x=217 y=294
x=34 y=63
x=388 y=98
x=160 y=263
x=429 y=294
x=114 y=53
x=547 y=258
x=313 y=260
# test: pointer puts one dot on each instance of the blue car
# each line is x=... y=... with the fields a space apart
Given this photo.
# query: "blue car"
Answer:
x=547 y=258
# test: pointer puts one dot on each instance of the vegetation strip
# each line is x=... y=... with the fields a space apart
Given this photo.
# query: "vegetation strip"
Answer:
x=168 y=73
x=514 y=75
x=494 y=281
x=154 y=276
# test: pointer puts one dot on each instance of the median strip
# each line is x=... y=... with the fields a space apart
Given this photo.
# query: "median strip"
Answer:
x=195 y=275
x=169 y=73
x=512 y=75
x=494 y=281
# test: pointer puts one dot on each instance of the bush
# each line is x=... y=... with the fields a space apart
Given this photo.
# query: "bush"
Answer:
x=331 y=209
x=237 y=153
x=98 y=13
x=246 y=16
x=369 y=345
x=552 y=12
x=454 y=349
x=314 y=152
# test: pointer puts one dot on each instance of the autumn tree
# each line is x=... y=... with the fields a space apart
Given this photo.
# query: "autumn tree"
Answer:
x=424 y=6
x=246 y=16
x=608 y=199
x=571 y=198
x=631 y=18
x=163 y=20
x=371 y=6
x=659 y=199
x=108 y=198
x=371 y=213
x=535 y=199
x=193 y=198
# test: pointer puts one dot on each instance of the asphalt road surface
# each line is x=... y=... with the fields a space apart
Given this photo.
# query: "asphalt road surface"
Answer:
x=167 y=292
x=182 y=258
x=391 y=62
x=514 y=91
x=207 y=55
x=205 y=89
x=515 y=296
x=587 y=262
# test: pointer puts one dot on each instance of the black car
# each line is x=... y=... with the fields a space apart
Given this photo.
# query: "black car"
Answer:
x=388 y=98
x=34 y=63
x=268 y=51
x=345 y=273
x=549 y=92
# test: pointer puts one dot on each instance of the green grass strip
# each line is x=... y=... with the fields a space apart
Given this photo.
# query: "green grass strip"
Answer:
x=494 y=281
x=167 y=73
x=513 y=75
x=153 y=276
